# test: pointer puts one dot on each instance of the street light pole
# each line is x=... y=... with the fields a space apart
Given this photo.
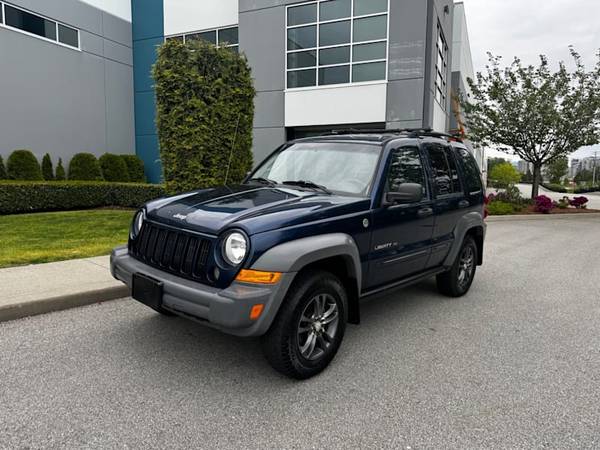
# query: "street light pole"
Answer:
x=595 y=165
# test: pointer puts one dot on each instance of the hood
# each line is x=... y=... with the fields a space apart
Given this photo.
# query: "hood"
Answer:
x=254 y=209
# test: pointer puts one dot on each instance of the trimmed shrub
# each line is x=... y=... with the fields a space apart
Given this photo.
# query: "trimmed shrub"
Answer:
x=2 y=169
x=47 y=171
x=135 y=168
x=28 y=197
x=205 y=109
x=113 y=168
x=499 y=208
x=586 y=190
x=84 y=167
x=555 y=187
x=60 y=171
x=23 y=165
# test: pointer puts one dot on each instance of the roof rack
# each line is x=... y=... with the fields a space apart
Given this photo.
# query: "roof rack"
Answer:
x=411 y=132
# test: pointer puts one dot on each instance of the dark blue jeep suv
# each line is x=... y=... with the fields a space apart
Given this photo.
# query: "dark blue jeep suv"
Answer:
x=321 y=224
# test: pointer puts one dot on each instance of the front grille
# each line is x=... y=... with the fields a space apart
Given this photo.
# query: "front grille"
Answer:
x=173 y=251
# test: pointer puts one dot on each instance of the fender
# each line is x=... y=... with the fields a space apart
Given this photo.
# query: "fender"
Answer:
x=293 y=256
x=468 y=222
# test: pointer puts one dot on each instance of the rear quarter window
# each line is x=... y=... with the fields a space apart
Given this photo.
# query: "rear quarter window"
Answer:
x=471 y=171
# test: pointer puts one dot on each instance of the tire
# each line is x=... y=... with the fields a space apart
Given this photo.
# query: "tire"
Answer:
x=164 y=312
x=457 y=281
x=309 y=327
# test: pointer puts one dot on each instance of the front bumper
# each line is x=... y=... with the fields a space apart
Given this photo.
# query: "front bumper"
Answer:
x=227 y=309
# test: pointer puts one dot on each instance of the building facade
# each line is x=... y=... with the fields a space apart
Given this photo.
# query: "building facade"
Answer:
x=317 y=65
x=67 y=79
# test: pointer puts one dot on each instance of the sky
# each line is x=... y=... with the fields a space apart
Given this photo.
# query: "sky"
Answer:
x=528 y=28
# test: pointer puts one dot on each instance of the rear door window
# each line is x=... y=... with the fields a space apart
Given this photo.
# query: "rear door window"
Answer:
x=445 y=172
x=471 y=170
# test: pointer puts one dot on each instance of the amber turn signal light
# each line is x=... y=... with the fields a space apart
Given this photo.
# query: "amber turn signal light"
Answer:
x=258 y=277
x=256 y=311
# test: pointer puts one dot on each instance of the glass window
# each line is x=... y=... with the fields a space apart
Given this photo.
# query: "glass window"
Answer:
x=370 y=52
x=363 y=7
x=335 y=55
x=445 y=174
x=335 y=9
x=334 y=33
x=334 y=75
x=177 y=38
x=30 y=23
x=370 y=28
x=298 y=60
x=228 y=36
x=340 y=167
x=405 y=167
x=301 y=38
x=207 y=36
x=302 y=78
x=368 y=72
x=441 y=67
x=68 y=36
x=299 y=15
x=471 y=170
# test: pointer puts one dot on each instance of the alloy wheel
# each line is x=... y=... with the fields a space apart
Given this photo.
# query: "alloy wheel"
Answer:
x=318 y=326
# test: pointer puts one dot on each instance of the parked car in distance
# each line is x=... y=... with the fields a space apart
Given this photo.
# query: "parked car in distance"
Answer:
x=321 y=224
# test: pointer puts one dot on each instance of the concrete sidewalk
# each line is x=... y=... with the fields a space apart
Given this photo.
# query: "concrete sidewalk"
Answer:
x=42 y=288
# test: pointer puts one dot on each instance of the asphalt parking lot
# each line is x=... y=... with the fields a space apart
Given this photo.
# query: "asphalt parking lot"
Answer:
x=515 y=364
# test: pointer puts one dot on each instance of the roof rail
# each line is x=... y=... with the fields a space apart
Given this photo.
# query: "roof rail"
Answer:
x=411 y=132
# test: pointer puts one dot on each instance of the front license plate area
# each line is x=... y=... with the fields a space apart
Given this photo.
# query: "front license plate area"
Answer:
x=147 y=290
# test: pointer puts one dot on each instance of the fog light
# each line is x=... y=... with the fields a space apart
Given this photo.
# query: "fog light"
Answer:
x=216 y=273
x=256 y=311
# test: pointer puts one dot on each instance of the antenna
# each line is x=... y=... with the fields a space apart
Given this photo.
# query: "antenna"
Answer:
x=232 y=148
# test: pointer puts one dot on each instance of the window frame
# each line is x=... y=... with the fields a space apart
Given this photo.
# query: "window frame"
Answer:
x=441 y=55
x=351 y=63
x=217 y=32
x=56 y=23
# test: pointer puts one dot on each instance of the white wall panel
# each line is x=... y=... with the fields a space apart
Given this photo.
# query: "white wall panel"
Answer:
x=119 y=8
x=336 y=105
x=191 y=15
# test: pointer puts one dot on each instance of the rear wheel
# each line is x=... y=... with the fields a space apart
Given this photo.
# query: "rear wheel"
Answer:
x=309 y=327
x=457 y=281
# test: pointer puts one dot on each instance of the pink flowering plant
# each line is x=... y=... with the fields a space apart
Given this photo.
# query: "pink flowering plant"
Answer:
x=579 y=202
x=543 y=204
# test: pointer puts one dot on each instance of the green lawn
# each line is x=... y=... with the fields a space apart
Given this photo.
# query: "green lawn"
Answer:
x=45 y=237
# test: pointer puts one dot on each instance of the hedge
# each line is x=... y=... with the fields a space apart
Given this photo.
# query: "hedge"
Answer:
x=555 y=187
x=114 y=168
x=23 y=165
x=586 y=190
x=84 y=167
x=205 y=109
x=27 y=197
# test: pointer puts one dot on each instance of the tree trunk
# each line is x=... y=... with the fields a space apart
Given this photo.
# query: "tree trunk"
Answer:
x=537 y=177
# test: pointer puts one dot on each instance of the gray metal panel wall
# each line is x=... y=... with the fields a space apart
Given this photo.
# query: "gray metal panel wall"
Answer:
x=62 y=101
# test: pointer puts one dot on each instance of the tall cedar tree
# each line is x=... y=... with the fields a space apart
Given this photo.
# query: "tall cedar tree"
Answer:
x=60 y=171
x=47 y=171
x=533 y=112
x=205 y=110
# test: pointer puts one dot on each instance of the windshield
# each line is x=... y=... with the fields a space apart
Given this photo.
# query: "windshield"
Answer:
x=339 y=167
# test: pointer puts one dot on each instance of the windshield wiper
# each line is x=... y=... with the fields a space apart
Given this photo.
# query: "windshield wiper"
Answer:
x=261 y=180
x=308 y=184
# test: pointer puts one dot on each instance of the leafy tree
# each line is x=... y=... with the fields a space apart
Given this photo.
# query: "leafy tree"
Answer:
x=584 y=176
x=205 y=110
x=23 y=165
x=2 y=169
x=60 y=171
x=533 y=112
x=493 y=162
x=47 y=171
x=505 y=175
x=557 y=169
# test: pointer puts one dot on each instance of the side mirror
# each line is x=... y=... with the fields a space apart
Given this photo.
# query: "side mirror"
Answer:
x=406 y=193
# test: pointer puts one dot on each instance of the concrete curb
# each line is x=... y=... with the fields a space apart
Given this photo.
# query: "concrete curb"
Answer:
x=59 y=303
x=525 y=217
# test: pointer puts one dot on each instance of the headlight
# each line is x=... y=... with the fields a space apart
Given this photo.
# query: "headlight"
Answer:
x=235 y=248
x=136 y=225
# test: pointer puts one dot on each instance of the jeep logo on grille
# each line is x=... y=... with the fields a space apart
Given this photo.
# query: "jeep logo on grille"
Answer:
x=179 y=216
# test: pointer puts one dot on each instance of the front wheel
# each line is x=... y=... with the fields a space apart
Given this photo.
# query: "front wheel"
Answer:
x=309 y=327
x=457 y=281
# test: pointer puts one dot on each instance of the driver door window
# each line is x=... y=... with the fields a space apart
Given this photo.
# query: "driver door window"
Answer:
x=405 y=167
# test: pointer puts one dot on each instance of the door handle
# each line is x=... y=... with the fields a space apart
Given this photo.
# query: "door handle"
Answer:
x=464 y=204
x=425 y=212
